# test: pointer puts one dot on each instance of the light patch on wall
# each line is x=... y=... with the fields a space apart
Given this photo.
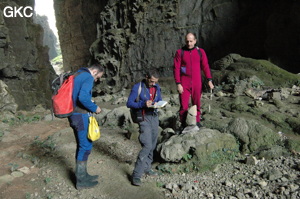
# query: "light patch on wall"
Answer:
x=46 y=8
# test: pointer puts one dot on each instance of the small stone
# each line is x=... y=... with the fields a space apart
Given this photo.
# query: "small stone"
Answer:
x=6 y=178
x=263 y=183
x=293 y=187
x=228 y=183
x=191 y=116
x=247 y=191
x=284 y=179
x=220 y=94
x=187 y=187
x=17 y=174
x=252 y=160
x=24 y=170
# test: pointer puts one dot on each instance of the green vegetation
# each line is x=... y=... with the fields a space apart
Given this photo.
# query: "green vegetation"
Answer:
x=220 y=156
x=29 y=119
x=47 y=180
x=268 y=75
x=57 y=64
x=187 y=157
x=294 y=124
x=57 y=59
x=159 y=184
x=276 y=119
x=292 y=145
x=49 y=196
x=13 y=166
x=257 y=84
x=27 y=196
x=21 y=118
x=48 y=144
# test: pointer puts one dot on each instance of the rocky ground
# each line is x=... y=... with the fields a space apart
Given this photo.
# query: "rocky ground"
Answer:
x=277 y=178
x=37 y=153
x=37 y=161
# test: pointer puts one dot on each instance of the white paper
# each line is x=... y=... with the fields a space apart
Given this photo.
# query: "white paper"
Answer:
x=159 y=104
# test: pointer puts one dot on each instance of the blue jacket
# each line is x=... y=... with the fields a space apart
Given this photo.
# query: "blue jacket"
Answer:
x=82 y=91
x=144 y=96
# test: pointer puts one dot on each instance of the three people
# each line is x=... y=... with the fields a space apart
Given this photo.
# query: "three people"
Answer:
x=150 y=93
x=188 y=64
x=79 y=121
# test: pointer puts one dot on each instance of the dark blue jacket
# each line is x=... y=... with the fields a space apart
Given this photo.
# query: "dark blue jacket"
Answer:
x=82 y=91
x=144 y=96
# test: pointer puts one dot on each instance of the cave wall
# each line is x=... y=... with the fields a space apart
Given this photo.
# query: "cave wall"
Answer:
x=77 y=29
x=130 y=36
x=49 y=38
x=133 y=36
x=24 y=65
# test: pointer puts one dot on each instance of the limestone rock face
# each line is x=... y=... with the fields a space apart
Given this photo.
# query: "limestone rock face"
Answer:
x=77 y=22
x=130 y=37
x=24 y=65
x=49 y=38
x=7 y=101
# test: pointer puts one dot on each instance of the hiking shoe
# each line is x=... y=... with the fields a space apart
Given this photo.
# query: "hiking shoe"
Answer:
x=199 y=124
x=151 y=173
x=85 y=184
x=91 y=177
x=82 y=182
x=136 y=181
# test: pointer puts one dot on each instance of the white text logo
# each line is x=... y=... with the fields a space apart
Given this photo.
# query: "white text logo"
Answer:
x=21 y=11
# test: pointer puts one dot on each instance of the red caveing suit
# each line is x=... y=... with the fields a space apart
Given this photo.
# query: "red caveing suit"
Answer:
x=191 y=80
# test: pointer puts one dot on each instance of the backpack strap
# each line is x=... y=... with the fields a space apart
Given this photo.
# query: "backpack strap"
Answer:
x=200 y=54
x=198 y=49
x=139 y=92
x=182 y=52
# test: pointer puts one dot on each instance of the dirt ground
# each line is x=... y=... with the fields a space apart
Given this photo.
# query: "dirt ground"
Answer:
x=37 y=161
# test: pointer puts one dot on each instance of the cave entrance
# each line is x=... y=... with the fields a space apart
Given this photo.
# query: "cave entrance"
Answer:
x=45 y=16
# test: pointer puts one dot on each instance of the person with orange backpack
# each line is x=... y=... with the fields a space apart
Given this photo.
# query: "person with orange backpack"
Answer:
x=79 y=121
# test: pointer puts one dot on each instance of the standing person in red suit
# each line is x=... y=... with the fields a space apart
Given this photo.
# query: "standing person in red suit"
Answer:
x=189 y=61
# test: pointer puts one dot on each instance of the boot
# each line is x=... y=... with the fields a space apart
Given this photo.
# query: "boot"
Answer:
x=82 y=181
x=88 y=176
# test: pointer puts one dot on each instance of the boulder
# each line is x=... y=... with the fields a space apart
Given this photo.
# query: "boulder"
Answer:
x=168 y=117
x=117 y=117
x=251 y=134
x=203 y=142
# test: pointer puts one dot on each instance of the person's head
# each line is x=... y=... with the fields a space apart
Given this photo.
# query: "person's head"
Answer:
x=96 y=71
x=190 y=40
x=152 y=77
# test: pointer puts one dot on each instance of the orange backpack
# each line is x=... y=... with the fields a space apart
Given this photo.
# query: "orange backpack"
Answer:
x=62 y=101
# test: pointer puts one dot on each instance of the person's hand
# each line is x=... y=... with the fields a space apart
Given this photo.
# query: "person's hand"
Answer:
x=211 y=85
x=149 y=103
x=98 y=110
x=179 y=88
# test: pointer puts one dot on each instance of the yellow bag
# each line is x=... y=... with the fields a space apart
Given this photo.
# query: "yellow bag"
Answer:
x=94 y=129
